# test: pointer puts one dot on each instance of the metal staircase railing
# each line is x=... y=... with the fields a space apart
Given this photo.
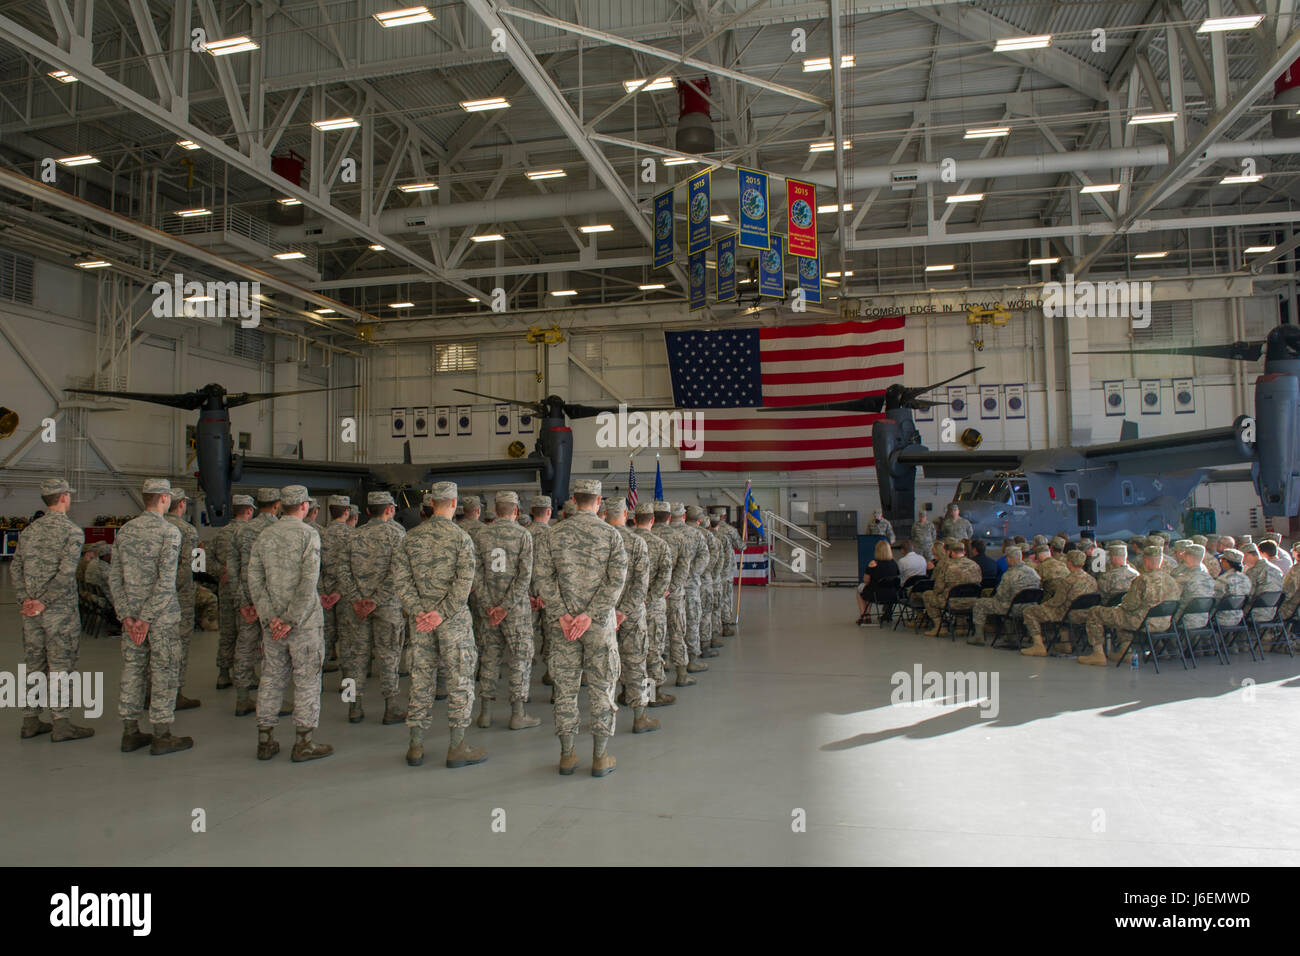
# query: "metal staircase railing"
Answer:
x=798 y=540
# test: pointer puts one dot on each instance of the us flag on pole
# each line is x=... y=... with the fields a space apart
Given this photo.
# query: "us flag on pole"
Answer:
x=631 y=485
x=732 y=371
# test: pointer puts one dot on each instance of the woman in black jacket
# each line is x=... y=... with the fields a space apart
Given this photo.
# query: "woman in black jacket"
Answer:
x=881 y=569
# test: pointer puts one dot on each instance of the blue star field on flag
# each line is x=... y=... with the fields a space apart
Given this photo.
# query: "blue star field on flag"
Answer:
x=720 y=369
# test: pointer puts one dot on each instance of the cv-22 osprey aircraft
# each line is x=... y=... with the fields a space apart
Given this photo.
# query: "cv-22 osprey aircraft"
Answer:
x=1135 y=484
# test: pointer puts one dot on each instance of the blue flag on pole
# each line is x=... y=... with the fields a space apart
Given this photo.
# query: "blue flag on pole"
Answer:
x=659 y=482
x=753 y=518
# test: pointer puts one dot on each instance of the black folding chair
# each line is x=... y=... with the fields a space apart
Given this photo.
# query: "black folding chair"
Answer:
x=1052 y=629
x=1270 y=623
x=1156 y=639
x=1005 y=625
x=950 y=615
x=1230 y=633
x=1114 y=599
x=884 y=595
x=1192 y=635
x=1289 y=636
x=910 y=606
x=988 y=586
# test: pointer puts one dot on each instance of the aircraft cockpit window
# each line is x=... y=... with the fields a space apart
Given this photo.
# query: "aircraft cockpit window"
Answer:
x=965 y=490
x=1020 y=489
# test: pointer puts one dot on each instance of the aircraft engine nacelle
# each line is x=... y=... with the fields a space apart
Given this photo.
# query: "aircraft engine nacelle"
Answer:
x=897 y=481
x=1277 y=444
x=213 y=446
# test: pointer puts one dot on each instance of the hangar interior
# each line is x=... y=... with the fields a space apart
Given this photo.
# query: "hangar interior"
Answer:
x=382 y=180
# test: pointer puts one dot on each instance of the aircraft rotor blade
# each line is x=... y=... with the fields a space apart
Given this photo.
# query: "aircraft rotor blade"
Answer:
x=234 y=400
x=536 y=406
x=189 y=400
x=913 y=392
x=867 y=403
x=1238 y=351
x=591 y=411
x=924 y=403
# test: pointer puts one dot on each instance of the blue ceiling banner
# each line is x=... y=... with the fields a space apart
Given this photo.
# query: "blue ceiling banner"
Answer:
x=695 y=272
x=754 y=230
x=726 y=273
x=810 y=280
x=698 y=212
x=771 y=269
x=665 y=234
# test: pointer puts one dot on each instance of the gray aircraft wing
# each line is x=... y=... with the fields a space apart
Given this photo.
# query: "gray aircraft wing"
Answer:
x=1167 y=453
x=959 y=464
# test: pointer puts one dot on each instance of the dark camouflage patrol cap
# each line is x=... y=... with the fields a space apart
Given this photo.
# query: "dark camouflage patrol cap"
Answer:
x=1196 y=550
x=679 y=509
x=1040 y=539
x=950 y=543
x=1250 y=547
x=1042 y=549
x=379 y=498
x=55 y=486
x=1077 y=558
x=1182 y=544
x=505 y=498
x=1232 y=554
x=587 y=486
x=161 y=486
x=662 y=506
x=1153 y=551
x=570 y=508
x=715 y=519
x=354 y=509
x=1200 y=539
x=1153 y=541
x=1013 y=554
x=615 y=506
x=646 y=508
x=338 y=501
x=291 y=496
x=268 y=496
x=1117 y=549
x=242 y=501
x=694 y=511
x=178 y=494
x=957 y=548
x=1058 y=543
x=540 y=501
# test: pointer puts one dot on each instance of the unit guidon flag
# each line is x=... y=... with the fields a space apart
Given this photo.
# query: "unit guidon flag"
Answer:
x=730 y=372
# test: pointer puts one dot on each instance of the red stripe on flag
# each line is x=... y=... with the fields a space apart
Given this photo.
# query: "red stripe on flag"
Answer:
x=712 y=446
x=825 y=375
x=779 y=401
x=830 y=352
x=768 y=422
x=799 y=465
x=874 y=327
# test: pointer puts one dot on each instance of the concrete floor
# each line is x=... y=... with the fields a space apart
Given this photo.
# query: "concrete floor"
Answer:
x=1081 y=765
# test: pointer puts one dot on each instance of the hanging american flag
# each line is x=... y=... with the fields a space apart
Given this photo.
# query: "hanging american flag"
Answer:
x=734 y=370
x=631 y=485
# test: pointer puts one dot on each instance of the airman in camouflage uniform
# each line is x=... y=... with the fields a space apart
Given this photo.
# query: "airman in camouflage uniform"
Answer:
x=580 y=569
x=1154 y=586
x=185 y=589
x=955 y=526
x=1119 y=576
x=660 y=557
x=1211 y=560
x=1265 y=577
x=504 y=575
x=1231 y=581
x=880 y=525
x=731 y=544
x=569 y=510
x=1290 y=588
x=283 y=573
x=711 y=623
x=1018 y=576
x=1194 y=579
x=678 y=649
x=696 y=632
x=1053 y=567
x=958 y=569
x=354 y=515
x=924 y=534
x=1075 y=585
x=143 y=580
x=221 y=549
x=249 y=639
x=540 y=509
x=367 y=580
x=338 y=617
x=433 y=571
x=44 y=574
x=721 y=564
x=629 y=613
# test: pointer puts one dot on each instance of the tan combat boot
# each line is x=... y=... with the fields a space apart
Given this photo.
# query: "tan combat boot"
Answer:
x=461 y=754
x=1095 y=656
x=330 y=666
x=641 y=724
x=245 y=703
x=661 y=699
x=391 y=713
x=568 y=756
x=165 y=743
x=65 y=729
x=485 y=712
x=1037 y=648
x=546 y=679
x=520 y=720
x=683 y=677
x=267 y=745
x=933 y=632
x=33 y=727
x=602 y=764
x=415 y=752
x=728 y=630
x=355 y=713
x=185 y=703
x=132 y=739
x=695 y=667
x=223 y=678
x=304 y=749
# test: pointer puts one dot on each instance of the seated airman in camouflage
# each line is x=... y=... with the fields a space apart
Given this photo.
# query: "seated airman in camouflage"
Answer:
x=1211 y=560
x=1054 y=607
x=1231 y=582
x=1291 y=586
x=1265 y=578
x=501 y=581
x=1119 y=574
x=957 y=569
x=880 y=525
x=1052 y=568
x=143 y=581
x=282 y=580
x=433 y=571
x=1018 y=576
x=44 y=575
x=1194 y=579
x=1153 y=586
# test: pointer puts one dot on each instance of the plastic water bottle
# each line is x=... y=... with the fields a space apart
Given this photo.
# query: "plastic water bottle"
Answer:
x=1136 y=662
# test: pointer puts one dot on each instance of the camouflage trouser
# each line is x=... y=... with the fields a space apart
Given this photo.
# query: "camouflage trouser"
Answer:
x=330 y=627
x=186 y=634
x=934 y=604
x=706 y=613
x=656 y=621
x=982 y=608
x=302 y=653
x=1100 y=618
x=633 y=638
x=247 y=650
x=676 y=628
x=512 y=640
x=596 y=652
x=205 y=609
x=157 y=661
x=694 y=626
x=384 y=638
x=50 y=643
x=451 y=647
x=729 y=592
x=719 y=600
x=1036 y=615
x=227 y=631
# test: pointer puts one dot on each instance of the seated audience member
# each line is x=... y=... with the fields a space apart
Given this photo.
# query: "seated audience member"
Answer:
x=989 y=567
x=1282 y=557
x=911 y=563
x=878 y=570
x=1264 y=577
x=1002 y=561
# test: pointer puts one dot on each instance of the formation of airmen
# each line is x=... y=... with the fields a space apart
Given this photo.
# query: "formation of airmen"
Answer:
x=619 y=603
x=1141 y=573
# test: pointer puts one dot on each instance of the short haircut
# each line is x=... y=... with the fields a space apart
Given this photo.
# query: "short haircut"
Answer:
x=243 y=509
x=1020 y=539
x=376 y=510
x=644 y=518
x=51 y=500
x=978 y=547
x=426 y=511
x=582 y=499
x=152 y=499
x=1007 y=542
x=338 y=511
x=905 y=545
x=472 y=504
x=1269 y=548
x=883 y=552
x=538 y=510
x=505 y=509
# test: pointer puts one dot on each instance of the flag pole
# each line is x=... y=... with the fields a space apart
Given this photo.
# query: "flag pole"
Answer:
x=744 y=532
